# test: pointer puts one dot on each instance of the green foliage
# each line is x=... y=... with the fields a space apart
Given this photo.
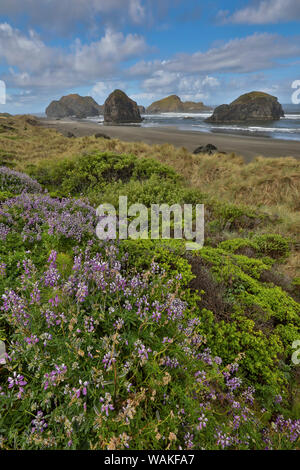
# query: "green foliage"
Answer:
x=273 y=246
x=264 y=320
x=88 y=173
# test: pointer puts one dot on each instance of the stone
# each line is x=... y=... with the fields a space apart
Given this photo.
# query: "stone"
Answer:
x=209 y=148
x=99 y=135
x=70 y=135
x=254 y=106
x=74 y=106
x=120 y=109
x=173 y=104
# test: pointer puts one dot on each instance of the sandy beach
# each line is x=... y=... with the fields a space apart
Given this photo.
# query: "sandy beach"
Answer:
x=248 y=147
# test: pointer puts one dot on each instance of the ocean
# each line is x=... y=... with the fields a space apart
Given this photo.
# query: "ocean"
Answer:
x=287 y=128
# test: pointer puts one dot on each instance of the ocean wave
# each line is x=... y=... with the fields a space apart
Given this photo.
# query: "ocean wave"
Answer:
x=250 y=128
x=99 y=118
x=177 y=115
x=292 y=116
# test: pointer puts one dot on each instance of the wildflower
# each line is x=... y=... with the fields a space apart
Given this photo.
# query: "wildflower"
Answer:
x=106 y=404
x=200 y=376
x=188 y=441
x=82 y=292
x=202 y=422
x=142 y=351
x=17 y=381
x=108 y=360
x=278 y=399
x=89 y=324
x=223 y=440
x=38 y=424
x=2 y=269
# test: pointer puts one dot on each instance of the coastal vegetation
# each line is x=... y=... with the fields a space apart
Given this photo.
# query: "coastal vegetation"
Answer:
x=141 y=344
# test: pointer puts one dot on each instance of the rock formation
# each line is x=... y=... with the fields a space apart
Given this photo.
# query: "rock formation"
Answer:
x=74 y=105
x=255 y=106
x=173 y=104
x=120 y=109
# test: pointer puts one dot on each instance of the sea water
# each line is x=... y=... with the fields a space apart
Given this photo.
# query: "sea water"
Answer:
x=287 y=128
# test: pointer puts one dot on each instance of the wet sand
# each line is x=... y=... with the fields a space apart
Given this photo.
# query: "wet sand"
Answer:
x=247 y=146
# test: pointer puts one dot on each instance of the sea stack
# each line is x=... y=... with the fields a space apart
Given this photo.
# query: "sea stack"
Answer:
x=75 y=106
x=173 y=104
x=120 y=109
x=254 y=106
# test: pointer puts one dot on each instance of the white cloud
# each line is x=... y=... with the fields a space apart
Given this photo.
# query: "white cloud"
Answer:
x=188 y=87
x=33 y=63
x=101 y=90
x=266 y=11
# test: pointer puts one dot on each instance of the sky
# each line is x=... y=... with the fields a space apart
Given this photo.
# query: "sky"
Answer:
x=202 y=51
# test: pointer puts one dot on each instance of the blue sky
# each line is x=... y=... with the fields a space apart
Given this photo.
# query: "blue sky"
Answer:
x=202 y=51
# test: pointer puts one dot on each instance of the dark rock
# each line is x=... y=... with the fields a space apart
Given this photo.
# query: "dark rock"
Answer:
x=70 y=135
x=102 y=136
x=142 y=109
x=255 y=106
x=209 y=148
x=120 y=109
x=74 y=106
x=32 y=121
x=4 y=127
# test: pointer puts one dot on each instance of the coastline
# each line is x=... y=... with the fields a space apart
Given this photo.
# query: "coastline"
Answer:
x=248 y=147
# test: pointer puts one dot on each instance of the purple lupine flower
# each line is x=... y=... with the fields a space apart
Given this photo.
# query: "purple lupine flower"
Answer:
x=82 y=292
x=223 y=440
x=38 y=424
x=108 y=360
x=142 y=351
x=202 y=422
x=17 y=380
x=106 y=404
x=2 y=269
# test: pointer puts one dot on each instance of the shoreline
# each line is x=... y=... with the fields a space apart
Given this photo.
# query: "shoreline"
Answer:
x=248 y=147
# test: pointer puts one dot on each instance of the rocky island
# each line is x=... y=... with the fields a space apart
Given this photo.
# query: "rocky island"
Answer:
x=120 y=109
x=173 y=104
x=74 y=106
x=254 y=106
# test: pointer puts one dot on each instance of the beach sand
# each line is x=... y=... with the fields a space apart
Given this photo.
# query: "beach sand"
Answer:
x=248 y=147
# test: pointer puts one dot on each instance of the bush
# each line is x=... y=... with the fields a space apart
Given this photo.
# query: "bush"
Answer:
x=16 y=182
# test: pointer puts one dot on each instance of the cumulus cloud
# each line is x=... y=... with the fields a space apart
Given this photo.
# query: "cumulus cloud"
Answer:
x=33 y=63
x=188 y=87
x=263 y=12
x=101 y=90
